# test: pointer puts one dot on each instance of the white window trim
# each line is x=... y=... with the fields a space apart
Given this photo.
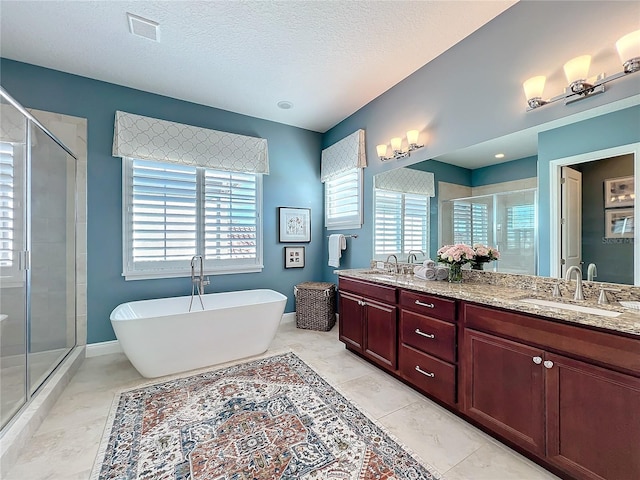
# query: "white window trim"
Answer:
x=351 y=223
x=183 y=271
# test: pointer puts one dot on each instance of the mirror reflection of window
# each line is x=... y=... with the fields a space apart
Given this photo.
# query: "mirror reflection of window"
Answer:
x=401 y=213
x=6 y=206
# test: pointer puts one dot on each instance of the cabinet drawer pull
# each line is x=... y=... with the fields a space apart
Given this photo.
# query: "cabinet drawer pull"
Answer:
x=426 y=374
x=537 y=360
x=548 y=364
x=428 y=335
x=422 y=304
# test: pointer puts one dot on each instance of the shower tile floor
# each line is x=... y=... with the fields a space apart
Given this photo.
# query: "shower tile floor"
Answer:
x=65 y=446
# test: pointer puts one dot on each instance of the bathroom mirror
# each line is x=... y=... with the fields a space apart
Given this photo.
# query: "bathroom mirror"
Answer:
x=567 y=232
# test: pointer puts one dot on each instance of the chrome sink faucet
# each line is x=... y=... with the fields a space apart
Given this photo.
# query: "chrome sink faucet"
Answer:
x=578 y=295
x=412 y=256
x=395 y=269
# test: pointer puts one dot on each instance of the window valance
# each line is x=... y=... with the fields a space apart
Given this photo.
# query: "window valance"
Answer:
x=406 y=180
x=344 y=155
x=149 y=138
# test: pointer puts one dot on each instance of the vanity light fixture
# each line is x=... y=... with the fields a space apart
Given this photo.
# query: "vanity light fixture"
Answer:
x=396 y=146
x=577 y=72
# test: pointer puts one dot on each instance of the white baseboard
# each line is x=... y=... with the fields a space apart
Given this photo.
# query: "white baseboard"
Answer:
x=288 y=317
x=103 y=348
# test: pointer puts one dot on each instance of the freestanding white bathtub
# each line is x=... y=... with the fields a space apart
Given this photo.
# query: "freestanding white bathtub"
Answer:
x=161 y=337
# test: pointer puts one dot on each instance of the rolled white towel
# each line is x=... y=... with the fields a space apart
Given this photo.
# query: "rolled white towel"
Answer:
x=442 y=273
x=429 y=263
x=424 y=272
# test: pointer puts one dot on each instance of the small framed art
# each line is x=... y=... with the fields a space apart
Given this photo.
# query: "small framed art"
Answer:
x=293 y=257
x=619 y=223
x=294 y=225
x=619 y=192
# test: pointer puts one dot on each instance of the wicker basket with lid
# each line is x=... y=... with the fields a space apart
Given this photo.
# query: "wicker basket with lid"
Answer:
x=315 y=305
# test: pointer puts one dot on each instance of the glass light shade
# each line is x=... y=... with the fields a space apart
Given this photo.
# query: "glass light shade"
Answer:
x=396 y=143
x=577 y=68
x=534 y=87
x=629 y=46
x=382 y=150
x=412 y=137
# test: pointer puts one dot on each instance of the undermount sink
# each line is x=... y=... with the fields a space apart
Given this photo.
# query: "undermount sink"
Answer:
x=570 y=306
x=381 y=274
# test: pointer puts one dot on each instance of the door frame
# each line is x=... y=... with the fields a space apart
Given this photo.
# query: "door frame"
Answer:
x=555 y=213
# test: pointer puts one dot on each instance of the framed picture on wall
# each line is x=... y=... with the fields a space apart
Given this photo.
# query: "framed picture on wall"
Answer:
x=294 y=225
x=619 y=192
x=618 y=223
x=293 y=257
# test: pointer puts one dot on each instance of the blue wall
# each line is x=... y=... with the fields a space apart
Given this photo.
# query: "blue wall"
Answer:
x=294 y=181
x=505 y=172
x=606 y=131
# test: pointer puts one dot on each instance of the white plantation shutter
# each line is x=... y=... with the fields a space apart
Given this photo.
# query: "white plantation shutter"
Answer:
x=7 y=213
x=173 y=212
x=343 y=201
x=401 y=223
x=231 y=216
x=470 y=223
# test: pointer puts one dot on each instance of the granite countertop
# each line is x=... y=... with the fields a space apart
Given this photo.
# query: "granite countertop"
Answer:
x=509 y=297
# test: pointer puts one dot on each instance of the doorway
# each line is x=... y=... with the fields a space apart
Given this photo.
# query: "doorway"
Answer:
x=610 y=248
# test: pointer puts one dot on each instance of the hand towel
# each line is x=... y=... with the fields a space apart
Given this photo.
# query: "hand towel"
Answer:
x=425 y=273
x=429 y=263
x=442 y=273
x=337 y=243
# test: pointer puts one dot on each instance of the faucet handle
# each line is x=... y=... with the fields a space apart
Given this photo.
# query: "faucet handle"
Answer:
x=602 y=298
x=556 y=293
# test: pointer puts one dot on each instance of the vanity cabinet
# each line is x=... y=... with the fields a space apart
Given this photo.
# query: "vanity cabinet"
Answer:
x=580 y=415
x=368 y=321
x=427 y=344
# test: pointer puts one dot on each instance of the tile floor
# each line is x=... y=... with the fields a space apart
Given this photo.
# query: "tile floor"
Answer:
x=65 y=446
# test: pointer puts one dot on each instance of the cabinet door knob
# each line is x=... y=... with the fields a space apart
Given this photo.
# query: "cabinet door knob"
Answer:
x=427 y=374
x=537 y=360
x=428 y=335
x=422 y=304
x=548 y=364
x=361 y=303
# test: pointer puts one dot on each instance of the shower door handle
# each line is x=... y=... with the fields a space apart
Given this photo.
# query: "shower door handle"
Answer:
x=24 y=260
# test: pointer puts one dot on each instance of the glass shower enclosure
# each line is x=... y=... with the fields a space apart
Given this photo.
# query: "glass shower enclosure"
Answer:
x=37 y=255
x=504 y=220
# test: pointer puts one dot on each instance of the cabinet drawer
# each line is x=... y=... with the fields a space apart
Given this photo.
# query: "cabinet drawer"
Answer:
x=435 y=377
x=428 y=334
x=372 y=290
x=437 y=307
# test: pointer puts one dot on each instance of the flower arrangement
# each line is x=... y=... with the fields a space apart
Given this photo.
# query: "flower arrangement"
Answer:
x=483 y=254
x=458 y=254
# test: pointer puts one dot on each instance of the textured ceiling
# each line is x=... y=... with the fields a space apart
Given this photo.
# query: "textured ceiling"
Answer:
x=329 y=58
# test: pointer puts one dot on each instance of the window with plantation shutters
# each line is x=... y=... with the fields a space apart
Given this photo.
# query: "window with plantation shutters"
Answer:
x=470 y=223
x=173 y=212
x=401 y=223
x=343 y=200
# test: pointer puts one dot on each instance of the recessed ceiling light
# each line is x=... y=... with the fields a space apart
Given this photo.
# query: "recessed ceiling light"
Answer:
x=499 y=155
x=285 y=105
x=143 y=27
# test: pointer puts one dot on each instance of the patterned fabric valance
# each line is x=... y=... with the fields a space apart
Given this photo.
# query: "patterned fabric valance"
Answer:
x=342 y=156
x=406 y=180
x=148 y=138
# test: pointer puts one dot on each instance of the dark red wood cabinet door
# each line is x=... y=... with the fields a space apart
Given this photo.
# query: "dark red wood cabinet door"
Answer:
x=351 y=328
x=503 y=387
x=593 y=420
x=380 y=333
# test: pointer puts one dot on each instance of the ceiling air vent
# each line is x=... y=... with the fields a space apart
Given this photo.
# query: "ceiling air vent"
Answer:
x=142 y=27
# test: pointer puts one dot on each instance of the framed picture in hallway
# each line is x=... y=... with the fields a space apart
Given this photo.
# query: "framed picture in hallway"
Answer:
x=619 y=192
x=294 y=225
x=293 y=257
x=619 y=223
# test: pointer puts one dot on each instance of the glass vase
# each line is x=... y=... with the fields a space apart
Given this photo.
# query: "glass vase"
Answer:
x=455 y=273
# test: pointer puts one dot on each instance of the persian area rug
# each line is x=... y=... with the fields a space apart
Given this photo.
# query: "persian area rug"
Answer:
x=273 y=418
